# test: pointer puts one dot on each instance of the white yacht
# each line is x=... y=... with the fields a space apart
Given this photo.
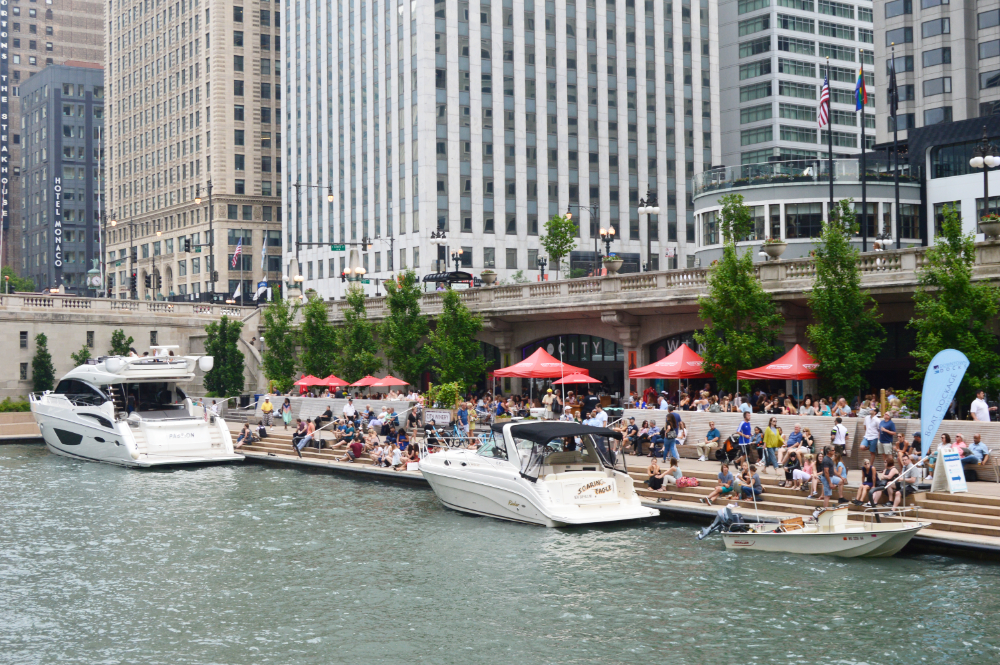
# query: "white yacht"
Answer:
x=132 y=412
x=547 y=473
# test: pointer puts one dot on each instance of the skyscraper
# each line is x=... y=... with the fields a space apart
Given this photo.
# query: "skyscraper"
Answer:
x=524 y=109
x=193 y=106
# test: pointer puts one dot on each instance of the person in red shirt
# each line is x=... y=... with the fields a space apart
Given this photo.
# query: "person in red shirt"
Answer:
x=353 y=451
x=649 y=395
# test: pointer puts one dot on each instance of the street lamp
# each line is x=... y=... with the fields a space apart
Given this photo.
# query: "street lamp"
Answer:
x=607 y=235
x=438 y=238
x=649 y=206
x=211 y=235
x=985 y=157
x=456 y=256
x=542 y=262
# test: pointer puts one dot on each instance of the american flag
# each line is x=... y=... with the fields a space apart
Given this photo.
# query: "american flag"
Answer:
x=824 y=103
x=239 y=250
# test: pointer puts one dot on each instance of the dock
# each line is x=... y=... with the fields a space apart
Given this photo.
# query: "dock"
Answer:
x=961 y=524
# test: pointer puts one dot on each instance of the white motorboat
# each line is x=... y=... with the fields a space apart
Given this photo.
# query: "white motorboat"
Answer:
x=829 y=533
x=132 y=412
x=547 y=473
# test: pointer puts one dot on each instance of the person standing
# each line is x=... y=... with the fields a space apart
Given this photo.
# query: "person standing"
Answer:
x=887 y=432
x=286 y=412
x=772 y=441
x=267 y=409
x=547 y=403
x=349 y=410
x=839 y=436
x=871 y=433
x=980 y=409
x=828 y=476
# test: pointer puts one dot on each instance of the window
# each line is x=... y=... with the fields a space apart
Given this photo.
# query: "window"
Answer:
x=837 y=30
x=941 y=26
x=796 y=112
x=898 y=8
x=937 y=86
x=232 y=211
x=836 y=9
x=840 y=139
x=866 y=35
x=803 y=220
x=511 y=258
x=989 y=19
x=927 y=4
x=804 y=5
x=755 y=114
x=909 y=220
x=798 y=134
x=239 y=137
x=939 y=213
x=240 y=186
x=756 y=91
x=237 y=38
x=237 y=63
x=754 y=69
x=903 y=63
x=937 y=56
x=989 y=49
x=793 y=45
x=746 y=6
x=906 y=121
x=758 y=135
x=24 y=339
x=937 y=116
x=24 y=371
x=265 y=115
x=898 y=36
x=800 y=90
x=907 y=93
x=237 y=14
x=265 y=17
x=238 y=87
x=835 y=52
x=757 y=156
x=265 y=43
x=709 y=228
x=752 y=25
x=238 y=112
x=240 y=162
x=788 y=22
x=796 y=67
x=755 y=47
x=989 y=80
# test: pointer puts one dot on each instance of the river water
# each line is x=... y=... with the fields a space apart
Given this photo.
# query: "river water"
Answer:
x=253 y=564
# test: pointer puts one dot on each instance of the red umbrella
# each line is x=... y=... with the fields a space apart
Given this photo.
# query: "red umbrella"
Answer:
x=539 y=365
x=681 y=364
x=367 y=381
x=576 y=378
x=389 y=380
x=796 y=365
x=310 y=380
x=334 y=381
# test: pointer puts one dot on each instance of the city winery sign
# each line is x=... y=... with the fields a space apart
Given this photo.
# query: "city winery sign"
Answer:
x=5 y=170
x=57 y=254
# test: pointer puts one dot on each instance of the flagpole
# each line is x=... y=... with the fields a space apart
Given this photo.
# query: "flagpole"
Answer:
x=895 y=139
x=241 y=270
x=862 y=99
x=829 y=135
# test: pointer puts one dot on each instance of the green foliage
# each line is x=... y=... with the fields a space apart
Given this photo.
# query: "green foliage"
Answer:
x=453 y=345
x=10 y=406
x=559 y=239
x=317 y=339
x=403 y=331
x=735 y=218
x=741 y=319
x=120 y=345
x=952 y=312
x=518 y=277
x=43 y=374
x=847 y=335
x=226 y=377
x=444 y=395
x=9 y=278
x=356 y=345
x=81 y=357
x=576 y=273
x=279 y=343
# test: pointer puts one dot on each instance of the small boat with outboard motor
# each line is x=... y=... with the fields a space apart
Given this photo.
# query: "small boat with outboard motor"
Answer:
x=133 y=412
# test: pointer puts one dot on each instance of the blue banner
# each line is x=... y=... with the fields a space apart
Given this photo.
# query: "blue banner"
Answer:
x=941 y=381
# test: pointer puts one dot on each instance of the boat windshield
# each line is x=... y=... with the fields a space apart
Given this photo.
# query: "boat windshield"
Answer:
x=154 y=396
x=493 y=448
x=534 y=455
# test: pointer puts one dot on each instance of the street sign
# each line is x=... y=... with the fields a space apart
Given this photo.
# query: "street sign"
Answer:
x=118 y=264
x=197 y=250
x=366 y=281
x=338 y=248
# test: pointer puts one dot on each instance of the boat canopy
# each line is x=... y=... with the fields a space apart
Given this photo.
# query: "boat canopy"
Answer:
x=547 y=438
x=545 y=431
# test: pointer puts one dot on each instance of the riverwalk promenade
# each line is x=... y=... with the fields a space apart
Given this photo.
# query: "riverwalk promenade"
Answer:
x=961 y=524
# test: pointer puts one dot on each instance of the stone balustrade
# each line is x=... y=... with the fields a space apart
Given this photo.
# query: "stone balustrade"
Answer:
x=26 y=302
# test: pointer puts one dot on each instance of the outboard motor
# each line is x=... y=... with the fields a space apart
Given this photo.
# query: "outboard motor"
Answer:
x=723 y=519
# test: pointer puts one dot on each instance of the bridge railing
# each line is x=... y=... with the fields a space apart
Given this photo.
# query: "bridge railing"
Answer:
x=46 y=302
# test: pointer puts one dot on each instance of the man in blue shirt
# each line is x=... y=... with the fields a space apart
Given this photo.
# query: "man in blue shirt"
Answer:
x=793 y=442
x=977 y=453
x=463 y=417
x=746 y=431
x=886 y=435
x=712 y=441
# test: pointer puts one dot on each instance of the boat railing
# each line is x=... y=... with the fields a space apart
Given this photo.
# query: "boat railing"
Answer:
x=873 y=516
x=37 y=397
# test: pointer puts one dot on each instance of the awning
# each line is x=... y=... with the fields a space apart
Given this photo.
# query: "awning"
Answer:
x=576 y=378
x=681 y=364
x=539 y=365
x=366 y=381
x=543 y=432
x=795 y=365
x=389 y=380
x=449 y=277
x=310 y=380
x=333 y=381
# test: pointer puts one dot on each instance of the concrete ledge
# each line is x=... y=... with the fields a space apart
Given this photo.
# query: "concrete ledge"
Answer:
x=357 y=470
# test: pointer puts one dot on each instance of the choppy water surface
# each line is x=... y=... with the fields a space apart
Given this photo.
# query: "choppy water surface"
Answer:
x=250 y=564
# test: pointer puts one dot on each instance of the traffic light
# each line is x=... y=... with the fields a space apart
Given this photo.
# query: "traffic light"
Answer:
x=343 y=276
x=215 y=275
x=149 y=281
x=135 y=254
x=133 y=282
x=187 y=244
x=159 y=281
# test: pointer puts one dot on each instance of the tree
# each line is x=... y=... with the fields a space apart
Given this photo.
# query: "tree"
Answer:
x=357 y=349
x=279 y=344
x=404 y=329
x=225 y=379
x=317 y=339
x=454 y=348
x=120 y=345
x=847 y=335
x=559 y=239
x=11 y=283
x=742 y=319
x=43 y=374
x=952 y=312
x=81 y=357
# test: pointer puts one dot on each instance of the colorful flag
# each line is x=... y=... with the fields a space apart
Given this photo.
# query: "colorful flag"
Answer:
x=239 y=250
x=860 y=91
x=824 y=103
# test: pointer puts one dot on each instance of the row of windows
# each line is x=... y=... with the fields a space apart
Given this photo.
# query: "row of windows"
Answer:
x=828 y=7
x=909 y=120
x=931 y=58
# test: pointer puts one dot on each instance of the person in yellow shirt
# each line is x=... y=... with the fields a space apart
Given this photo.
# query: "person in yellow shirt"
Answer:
x=268 y=410
x=772 y=441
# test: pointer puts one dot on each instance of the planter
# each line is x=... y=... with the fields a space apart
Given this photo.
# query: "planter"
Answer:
x=775 y=249
x=613 y=266
x=990 y=228
x=489 y=278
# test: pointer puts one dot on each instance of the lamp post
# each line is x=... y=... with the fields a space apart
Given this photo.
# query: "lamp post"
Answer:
x=649 y=206
x=985 y=157
x=456 y=256
x=211 y=236
x=595 y=218
x=542 y=262
x=607 y=235
x=438 y=239
x=153 y=279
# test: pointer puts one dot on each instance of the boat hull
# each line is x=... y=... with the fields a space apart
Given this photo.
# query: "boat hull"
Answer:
x=849 y=544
